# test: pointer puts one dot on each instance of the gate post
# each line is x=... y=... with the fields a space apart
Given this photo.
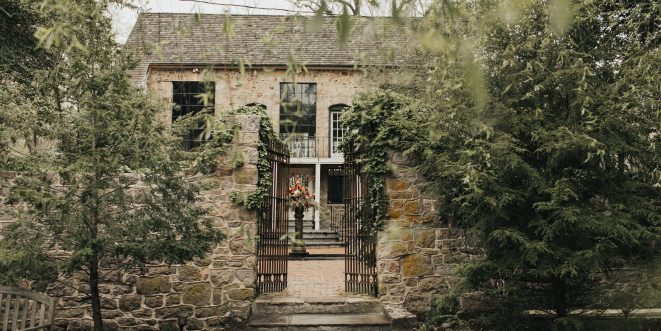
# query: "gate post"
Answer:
x=233 y=272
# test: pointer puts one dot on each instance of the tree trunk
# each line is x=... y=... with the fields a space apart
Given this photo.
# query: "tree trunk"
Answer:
x=94 y=292
x=560 y=305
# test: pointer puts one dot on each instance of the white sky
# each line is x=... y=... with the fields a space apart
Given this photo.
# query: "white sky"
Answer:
x=123 y=19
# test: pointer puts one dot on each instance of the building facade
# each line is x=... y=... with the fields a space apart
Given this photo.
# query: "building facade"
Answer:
x=301 y=75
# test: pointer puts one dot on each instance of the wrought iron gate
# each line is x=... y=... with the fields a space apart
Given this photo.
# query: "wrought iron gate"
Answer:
x=272 y=246
x=357 y=231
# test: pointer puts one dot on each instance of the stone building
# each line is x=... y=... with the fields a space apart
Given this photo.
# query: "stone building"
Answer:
x=302 y=76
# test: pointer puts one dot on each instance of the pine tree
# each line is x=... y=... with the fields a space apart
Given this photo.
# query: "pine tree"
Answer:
x=104 y=187
x=537 y=123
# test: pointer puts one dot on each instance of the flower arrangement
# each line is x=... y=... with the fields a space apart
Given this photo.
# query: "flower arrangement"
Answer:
x=299 y=195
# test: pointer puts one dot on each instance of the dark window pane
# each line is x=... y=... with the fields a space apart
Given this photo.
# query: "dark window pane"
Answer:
x=298 y=108
x=185 y=96
x=335 y=186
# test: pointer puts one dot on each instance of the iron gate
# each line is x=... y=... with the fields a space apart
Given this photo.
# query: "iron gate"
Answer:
x=357 y=231
x=272 y=246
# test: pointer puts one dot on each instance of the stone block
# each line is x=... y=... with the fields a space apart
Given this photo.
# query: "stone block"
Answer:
x=397 y=249
x=143 y=313
x=396 y=290
x=222 y=277
x=111 y=314
x=412 y=208
x=114 y=276
x=425 y=238
x=217 y=296
x=197 y=294
x=71 y=313
x=401 y=195
x=247 y=277
x=152 y=285
x=108 y=303
x=246 y=175
x=394 y=212
x=399 y=184
x=224 y=170
x=130 y=302
x=173 y=299
x=389 y=278
x=188 y=273
x=417 y=303
x=204 y=312
x=242 y=294
x=238 y=247
x=416 y=265
x=154 y=301
x=171 y=312
x=121 y=289
x=432 y=285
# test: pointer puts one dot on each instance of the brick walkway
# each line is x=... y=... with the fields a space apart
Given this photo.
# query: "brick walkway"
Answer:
x=315 y=278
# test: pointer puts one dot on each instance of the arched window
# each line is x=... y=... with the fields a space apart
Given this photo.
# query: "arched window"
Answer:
x=256 y=104
x=336 y=130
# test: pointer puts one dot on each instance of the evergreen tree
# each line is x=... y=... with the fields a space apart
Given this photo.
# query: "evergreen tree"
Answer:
x=538 y=124
x=104 y=185
x=554 y=158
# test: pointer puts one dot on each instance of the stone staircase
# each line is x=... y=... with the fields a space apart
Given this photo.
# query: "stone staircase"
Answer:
x=317 y=238
x=362 y=313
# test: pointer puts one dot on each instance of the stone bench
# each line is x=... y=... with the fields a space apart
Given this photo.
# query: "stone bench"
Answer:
x=22 y=310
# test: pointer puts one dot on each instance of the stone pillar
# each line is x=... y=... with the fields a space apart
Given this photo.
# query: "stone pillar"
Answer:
x=317 y=194
x=417 y=253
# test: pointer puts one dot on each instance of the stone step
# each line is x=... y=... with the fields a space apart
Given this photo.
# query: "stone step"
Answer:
x=315 y=235
x=266 y=304
x=306 y=226
x=339 y=322
x=311 y=230
x=339 y=313
x=321 y=243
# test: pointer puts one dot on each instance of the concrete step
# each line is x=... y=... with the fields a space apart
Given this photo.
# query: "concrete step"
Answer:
x=335 y=322
x=321 y=235
x=365 y=313
x=306 y=226
x=266 y=304
x=323 y=243
x=313 y=231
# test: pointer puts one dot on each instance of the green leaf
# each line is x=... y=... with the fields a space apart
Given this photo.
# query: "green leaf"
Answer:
x=344 y=26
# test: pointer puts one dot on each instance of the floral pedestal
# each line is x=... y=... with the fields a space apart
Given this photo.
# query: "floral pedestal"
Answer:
x=298 y=248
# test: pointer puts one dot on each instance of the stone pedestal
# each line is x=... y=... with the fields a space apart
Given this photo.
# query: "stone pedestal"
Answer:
x=299 y=245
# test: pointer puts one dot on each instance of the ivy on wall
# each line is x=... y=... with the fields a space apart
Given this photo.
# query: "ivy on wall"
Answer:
x=266 y=133
x=376 y=123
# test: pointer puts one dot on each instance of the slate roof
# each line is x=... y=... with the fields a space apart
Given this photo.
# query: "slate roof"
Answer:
x=261 y=40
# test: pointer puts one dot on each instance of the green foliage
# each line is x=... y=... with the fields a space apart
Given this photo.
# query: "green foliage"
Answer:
x=104 y=181
x=559 y=171
x=444 y=313
x=23 y=258
x=377 y=122
x=19 y=56
x=266 y=134
x=536 y=133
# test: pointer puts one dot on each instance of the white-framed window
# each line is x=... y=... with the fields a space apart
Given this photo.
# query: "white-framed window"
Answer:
x=336 y=129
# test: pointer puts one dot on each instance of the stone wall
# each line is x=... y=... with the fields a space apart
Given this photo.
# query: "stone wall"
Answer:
x=263 y=87
x=216 y=291
x=417 y=253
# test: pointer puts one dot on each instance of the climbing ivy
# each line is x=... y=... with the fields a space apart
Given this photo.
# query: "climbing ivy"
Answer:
x=266 y=134
x=377 y=123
